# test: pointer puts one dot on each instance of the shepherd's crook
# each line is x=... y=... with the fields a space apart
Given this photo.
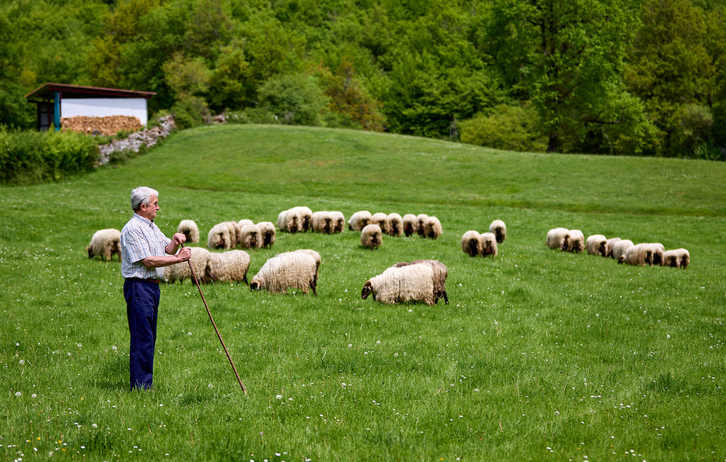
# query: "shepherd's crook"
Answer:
x=194 y=276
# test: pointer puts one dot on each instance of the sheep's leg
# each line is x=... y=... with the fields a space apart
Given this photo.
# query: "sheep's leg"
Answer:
x=313 y=285
x=446 y=298
x=244 y=279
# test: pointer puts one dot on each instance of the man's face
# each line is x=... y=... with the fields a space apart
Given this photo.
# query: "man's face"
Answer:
x=149 y=211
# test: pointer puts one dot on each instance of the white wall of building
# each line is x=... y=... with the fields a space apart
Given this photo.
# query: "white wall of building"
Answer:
x=103 y=107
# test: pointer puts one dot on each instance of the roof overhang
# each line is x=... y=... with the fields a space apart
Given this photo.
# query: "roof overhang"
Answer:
x=47 y=92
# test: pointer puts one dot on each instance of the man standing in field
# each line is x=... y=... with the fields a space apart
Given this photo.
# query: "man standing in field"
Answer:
x=145 y=251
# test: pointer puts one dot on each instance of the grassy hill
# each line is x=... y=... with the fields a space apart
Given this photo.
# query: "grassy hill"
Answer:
x=540 y=355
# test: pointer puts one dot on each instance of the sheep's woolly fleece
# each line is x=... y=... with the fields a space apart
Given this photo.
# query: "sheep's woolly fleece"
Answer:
x=106 y=243
x=619 y=249
x=267 y=231
x=638 y=255
x=488 y=244
x=182 y=271
x=359 y=220
x=371 y=236
x=499 y=229
x=410 y=224
x=470 y=243
x=380 y=219
x=440 y=273
x=610 y=245
x=219 y=238
x=323 y=222
x=558 y=238
x=395 y=224
x=250 y=237
x=189 y=229
x=577 y=241
x=229 y=266
x=400 y=285
x=296 y=270
x=432 y=228
x=420 y=222
x=596 y=244
x=290 y=221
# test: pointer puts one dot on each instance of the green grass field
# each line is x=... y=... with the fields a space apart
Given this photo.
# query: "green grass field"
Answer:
x=540 y=355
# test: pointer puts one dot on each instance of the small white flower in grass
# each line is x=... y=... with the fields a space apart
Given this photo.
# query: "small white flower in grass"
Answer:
x=278 y=396
x=189 y=333
x=668 y=336
x=350 y=345
x=113 y=347
x=18 y=394
x=289 y=399
x=94 y=426
x=210 y=386
x=395 y=355
x=378 y=342
x=22 y=362
x=35 y=396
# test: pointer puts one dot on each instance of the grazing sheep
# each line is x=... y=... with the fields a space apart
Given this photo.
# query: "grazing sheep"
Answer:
x=658 y=250
x=399 y=285
x=339 y=220
x=432 y=228
x=638 y=255
x=596 y=244
x=250 y=237
x=229 y=266
x=323 y=222
x=219 y=238
x=609 y=246
x=558 y=238
x=371 y=236
x=189 y=229
x=395 y=224
x=440 y=274
x=290 y=221
x=420 y=220
x=671 y=258
x=499 y=229
x=234 y=232
x=684 y=257
x=297 y=270
x=306 y=216
x=359 y=220
x=313 y=254
x=620 y=247
x=243 y=223
x=381 y=219
x=470 y=243
x=106 y=243
x=410 y=224
x=181 y=271
x=577 y=241
x=488 y=244
x=267 y=233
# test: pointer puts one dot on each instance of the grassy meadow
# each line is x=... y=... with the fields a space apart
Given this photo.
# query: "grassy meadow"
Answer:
x=540 y=354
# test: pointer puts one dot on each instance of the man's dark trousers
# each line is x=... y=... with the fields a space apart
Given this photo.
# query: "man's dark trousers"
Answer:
x=142 y=310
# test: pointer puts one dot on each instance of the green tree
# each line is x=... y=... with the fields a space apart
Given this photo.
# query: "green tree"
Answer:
x=567 y=57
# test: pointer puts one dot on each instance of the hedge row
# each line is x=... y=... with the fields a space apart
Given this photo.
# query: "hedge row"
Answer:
x=28 y=157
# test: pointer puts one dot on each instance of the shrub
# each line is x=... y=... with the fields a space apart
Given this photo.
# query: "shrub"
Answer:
x=296 y=99
x=190 y=111
x=507 y=127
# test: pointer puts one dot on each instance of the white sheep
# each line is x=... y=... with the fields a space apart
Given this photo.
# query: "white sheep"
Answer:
x=499 y=229
x=106 y=243
x=658 y=250
x=323 y=222
x=395 y=224
x=381 y=219
x=440 y=272
x=371 y=236
x=313 y=254
x=250 y=237
x=679 y=258
x=596 y=244
x=359 y=220
x=306 y=216
x=620 y=247
x=558 y=238
x=181 y=271
x=488 y=244
x=577 y=241
x=432 y=228
x=242 y=223
x=420 y=221
x=229 y=266
x=234 y=232
x=267 y=231
x=189 y=229
x=399 y=285
x=610 y=245
x=470 y=243
x=290 y=221
x=410 y=224
x=339 y=220
x=219 y=238
x=297 y=270
x=638 y=255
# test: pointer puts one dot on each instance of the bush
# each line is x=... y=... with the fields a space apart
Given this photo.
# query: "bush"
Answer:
x=190 y=112
x=294 y=99
x=511 y=128
x=33 y=157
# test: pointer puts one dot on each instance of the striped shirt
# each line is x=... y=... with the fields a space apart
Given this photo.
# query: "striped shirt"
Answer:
x=141 y=238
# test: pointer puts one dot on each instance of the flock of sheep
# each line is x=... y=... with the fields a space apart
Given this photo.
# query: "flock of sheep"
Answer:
x=622 y=250
x=420 y=280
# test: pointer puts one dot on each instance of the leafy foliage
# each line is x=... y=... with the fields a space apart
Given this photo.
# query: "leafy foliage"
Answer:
x=512 y=128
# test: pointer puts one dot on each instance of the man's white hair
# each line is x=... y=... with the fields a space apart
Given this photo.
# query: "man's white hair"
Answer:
x=141 y=195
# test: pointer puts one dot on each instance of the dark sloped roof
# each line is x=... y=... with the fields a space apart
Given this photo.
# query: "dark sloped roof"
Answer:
x=48 y=90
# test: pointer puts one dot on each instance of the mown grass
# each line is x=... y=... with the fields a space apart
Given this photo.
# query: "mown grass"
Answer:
x=540 y=355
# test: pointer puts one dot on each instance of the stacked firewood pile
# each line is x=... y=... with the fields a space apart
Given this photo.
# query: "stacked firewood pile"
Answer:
x=107 y=126
x=134 y=141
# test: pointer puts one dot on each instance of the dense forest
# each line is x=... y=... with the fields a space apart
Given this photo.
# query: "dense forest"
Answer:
x=641 y=77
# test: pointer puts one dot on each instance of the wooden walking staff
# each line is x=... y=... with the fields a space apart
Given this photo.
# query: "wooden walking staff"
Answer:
x=196 y=281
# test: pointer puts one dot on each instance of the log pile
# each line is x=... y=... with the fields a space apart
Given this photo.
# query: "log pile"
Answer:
x=148 y=137
x=107 y=126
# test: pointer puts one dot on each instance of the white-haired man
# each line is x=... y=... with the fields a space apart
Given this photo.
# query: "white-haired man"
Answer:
x=146 y=251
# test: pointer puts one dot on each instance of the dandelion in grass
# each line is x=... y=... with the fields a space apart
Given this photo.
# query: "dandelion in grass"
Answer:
x=33 y=395
x=278 y=396
x=18 y=394
x=22 y=362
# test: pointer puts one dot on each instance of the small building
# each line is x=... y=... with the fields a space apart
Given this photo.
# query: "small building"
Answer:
x=56 y=100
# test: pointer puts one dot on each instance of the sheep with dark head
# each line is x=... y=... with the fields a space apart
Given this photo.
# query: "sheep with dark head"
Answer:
x=619 y=249
x=380 y=219
x=395 y=224
x=420 y=222
x=499 y=229
x=470 y=243
x=323 y=222
x=610 y=245
x=371 y=236
x=596 y=244
x=359 y=220
x=440 y=272
x=488 y=244
x=432 y=228
x=297 y=270
x=219 y=238
x=189 y=229
x=267 y=232
x=638 y=255
x=250 y=237
x=558 y=238
x=106 y=243
x=339 y=220
x=577 y=241
x=410 y=225
x=400 y=285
